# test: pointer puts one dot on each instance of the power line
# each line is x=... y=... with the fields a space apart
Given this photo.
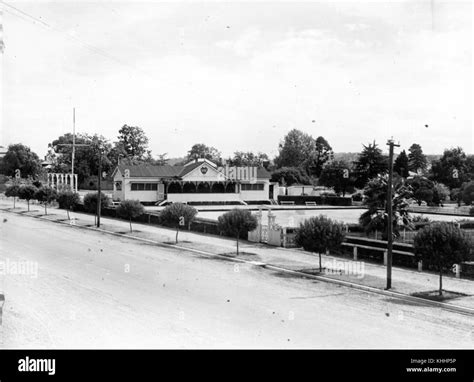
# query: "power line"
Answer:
x=35 y=20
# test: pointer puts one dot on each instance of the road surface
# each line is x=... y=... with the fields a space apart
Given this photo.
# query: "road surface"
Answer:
x=93 y=290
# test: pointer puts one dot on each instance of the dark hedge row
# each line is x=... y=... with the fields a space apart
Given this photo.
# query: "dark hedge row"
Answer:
x=300 y=200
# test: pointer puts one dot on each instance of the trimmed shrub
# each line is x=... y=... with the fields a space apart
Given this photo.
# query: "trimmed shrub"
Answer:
x=27 y=192
x=129 y=209
x=467 y=191
x=178 y=215
x=290 y=175
x=12 y=191
x=441 y=245
x=420 y=219
x=237 y=223
x=46 y=195
x=456 y=196
x=68 y=200
x=440 y=193
x=320 y=234
x=90 y=202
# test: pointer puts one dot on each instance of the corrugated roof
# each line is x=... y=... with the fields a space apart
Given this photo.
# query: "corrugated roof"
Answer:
x=144 y=171
x=167 y=171
x=190 y=167
x=262 y=173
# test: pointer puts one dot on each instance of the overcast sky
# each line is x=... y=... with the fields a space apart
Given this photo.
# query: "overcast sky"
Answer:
x=239 y=75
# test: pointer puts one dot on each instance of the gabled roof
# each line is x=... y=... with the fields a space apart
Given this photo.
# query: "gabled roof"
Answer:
x=145 y=171
x=262 y=173
x=201 y=160
x=190 y=167
x=167 y=171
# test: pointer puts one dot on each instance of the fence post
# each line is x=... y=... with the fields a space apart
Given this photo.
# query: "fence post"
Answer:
x=354 y=252
x=420 y=266
x=458 y=270
x=385 y=257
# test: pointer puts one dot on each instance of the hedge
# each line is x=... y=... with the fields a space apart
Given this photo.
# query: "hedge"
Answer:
x=300 y=200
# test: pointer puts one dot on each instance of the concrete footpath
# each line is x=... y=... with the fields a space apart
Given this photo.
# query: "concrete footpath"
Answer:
x=359 y=274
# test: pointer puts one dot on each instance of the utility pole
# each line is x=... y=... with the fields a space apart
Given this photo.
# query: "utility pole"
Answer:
x=2 y=48
x=391 y=144
x=99 y=188
x=73 y=145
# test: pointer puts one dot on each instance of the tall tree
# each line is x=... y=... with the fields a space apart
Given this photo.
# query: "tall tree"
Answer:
x=467 y=193
x=86 y=158
x=370 y=163
x=134 y=141
x=336 y=174
x=452 y=168
x=200 y=150
x=375 y=218
x=470 y=167
x=248 y=158
x=416 y=159
x=161 y=160
x=19 y=156
x=321 y=155
x=299 y=149
x=288 y=176
x=401 y=164
x=295 y=149
x=440 y=193
x=118 y=155
x=423 y=189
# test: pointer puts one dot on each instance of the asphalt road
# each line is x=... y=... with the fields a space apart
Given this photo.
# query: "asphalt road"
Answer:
x=93 y=290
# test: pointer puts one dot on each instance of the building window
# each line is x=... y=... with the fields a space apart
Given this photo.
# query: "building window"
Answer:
x=118 y=186
x=144 y=187
x=252 y=187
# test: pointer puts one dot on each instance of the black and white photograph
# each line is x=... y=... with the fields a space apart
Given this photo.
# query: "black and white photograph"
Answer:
x=237 y=175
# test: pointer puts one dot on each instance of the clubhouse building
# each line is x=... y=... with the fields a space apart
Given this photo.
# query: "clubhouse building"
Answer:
x=197 y=182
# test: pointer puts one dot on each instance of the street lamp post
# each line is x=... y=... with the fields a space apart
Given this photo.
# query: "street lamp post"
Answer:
x=391 y=144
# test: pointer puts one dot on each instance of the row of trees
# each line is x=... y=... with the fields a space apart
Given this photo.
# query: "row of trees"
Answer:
x=448 y=177
x=131 y=147
x=439 y=245
x=301 y=159
x=44 y=194
x=68 y=200
x=236 y=223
